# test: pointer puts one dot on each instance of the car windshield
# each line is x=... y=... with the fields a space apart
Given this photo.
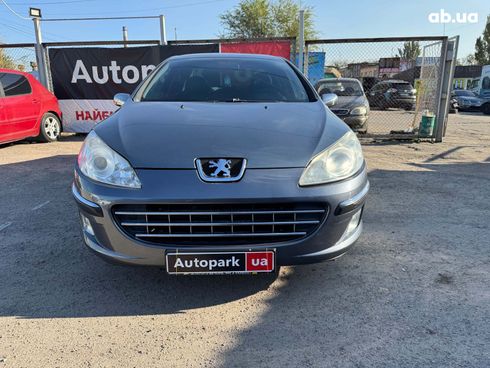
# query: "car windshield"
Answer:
x=340 y=88
x=465 y=93
x=403 y=86
x=226 y=80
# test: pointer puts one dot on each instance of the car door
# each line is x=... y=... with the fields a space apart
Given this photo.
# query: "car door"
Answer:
x=3 y=115
x=21 y=107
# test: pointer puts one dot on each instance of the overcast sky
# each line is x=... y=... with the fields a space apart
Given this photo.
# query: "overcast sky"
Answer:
x=196 y=19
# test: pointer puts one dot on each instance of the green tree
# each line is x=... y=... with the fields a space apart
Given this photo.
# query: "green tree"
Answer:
x=264 y=18
x=410 y=50
x=285 y=16
x=6 y=61
x=482 y=46
x=249 y=19
x=467 y=60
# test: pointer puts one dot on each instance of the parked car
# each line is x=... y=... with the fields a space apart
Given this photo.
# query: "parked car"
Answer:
x=392 y=93
x=221 y=163
x=352 y=105
x=468 y=100
x=27 y=109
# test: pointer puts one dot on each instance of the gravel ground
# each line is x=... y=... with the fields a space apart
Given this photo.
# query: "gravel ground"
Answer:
x=414 y=292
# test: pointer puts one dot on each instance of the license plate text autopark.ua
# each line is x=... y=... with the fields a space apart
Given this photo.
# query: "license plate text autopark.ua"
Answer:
x=220 y=262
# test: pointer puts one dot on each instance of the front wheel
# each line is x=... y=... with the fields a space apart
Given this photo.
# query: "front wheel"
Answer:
x=486 y=108
x=50 y=128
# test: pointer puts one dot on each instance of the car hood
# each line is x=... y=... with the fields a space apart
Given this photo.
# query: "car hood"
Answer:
x=349 y=102
x=171 y=135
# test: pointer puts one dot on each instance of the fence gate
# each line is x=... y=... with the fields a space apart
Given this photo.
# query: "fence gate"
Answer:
x=405 y=80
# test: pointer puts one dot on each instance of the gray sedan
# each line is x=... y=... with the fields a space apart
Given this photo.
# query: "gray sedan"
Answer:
x=351 y=106
x=221 y=163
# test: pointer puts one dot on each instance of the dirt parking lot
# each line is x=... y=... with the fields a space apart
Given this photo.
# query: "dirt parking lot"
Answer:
x=414 y=292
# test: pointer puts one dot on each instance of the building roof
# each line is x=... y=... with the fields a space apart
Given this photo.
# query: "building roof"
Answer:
x=467 y=71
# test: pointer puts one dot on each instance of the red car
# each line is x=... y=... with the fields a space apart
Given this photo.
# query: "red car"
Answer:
x=27 y=108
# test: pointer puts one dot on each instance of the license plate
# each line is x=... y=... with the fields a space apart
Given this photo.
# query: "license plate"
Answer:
x=220 y=262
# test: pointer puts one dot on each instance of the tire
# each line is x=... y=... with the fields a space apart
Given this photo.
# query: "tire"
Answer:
x=486 y=108
x=50 y=128
x=364 y=129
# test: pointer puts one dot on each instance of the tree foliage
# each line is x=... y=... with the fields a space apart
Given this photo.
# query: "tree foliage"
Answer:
x=264 y=18
x=410 y=50
x=482 y=46
x=467 y=60
x=6 y=61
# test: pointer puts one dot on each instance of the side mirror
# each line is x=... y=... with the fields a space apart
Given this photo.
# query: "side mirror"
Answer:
x=121 y=98
x=329 y=99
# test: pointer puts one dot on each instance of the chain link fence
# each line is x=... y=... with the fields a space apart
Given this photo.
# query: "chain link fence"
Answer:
x=385 y=87
x=18 y=57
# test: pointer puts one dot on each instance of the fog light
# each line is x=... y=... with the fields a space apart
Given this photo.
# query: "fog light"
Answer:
x=353 y=224
x=87 y=227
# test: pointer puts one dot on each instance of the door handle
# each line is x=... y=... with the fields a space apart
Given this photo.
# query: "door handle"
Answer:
x=35 y=100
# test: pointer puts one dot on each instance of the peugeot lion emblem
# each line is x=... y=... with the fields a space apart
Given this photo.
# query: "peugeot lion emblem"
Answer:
x=221 y=169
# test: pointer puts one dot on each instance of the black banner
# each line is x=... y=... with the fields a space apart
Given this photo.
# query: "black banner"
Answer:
x=94 y=73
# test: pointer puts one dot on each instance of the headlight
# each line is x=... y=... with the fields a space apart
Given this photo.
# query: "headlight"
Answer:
x=339 y=161
x=100 y=163
x=361 y=110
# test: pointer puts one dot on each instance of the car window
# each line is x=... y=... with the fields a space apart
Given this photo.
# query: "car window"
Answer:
x=14 y=84
x=402 y=86
x=225 y=80
x=465 y=93
x=340 y=88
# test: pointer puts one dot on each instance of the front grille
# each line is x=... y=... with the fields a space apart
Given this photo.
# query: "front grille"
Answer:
x=218 y=224
x=340 y=112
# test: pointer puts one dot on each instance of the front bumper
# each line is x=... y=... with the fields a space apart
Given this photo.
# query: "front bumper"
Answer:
x=356 y=122
x=400 y=101
x=105 y=238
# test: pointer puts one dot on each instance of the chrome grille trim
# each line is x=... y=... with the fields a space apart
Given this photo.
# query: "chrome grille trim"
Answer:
x=215 y=213
x=229 y=235
x=340 y=112
x=218 y=224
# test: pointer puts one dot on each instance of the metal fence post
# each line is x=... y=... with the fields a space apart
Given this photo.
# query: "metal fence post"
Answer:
x=301 y=39
x=125 y=35
x=455 y=46
x=40 y=56
x=448 y=55
x=163 y=31
x=306 y=61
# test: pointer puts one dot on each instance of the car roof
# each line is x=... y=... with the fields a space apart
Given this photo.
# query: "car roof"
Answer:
x=339 y=80
x=13 y=71
x=226 y=56
x=394 y=81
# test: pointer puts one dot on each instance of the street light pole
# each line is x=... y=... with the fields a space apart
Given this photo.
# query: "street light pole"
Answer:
x=40 y=57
